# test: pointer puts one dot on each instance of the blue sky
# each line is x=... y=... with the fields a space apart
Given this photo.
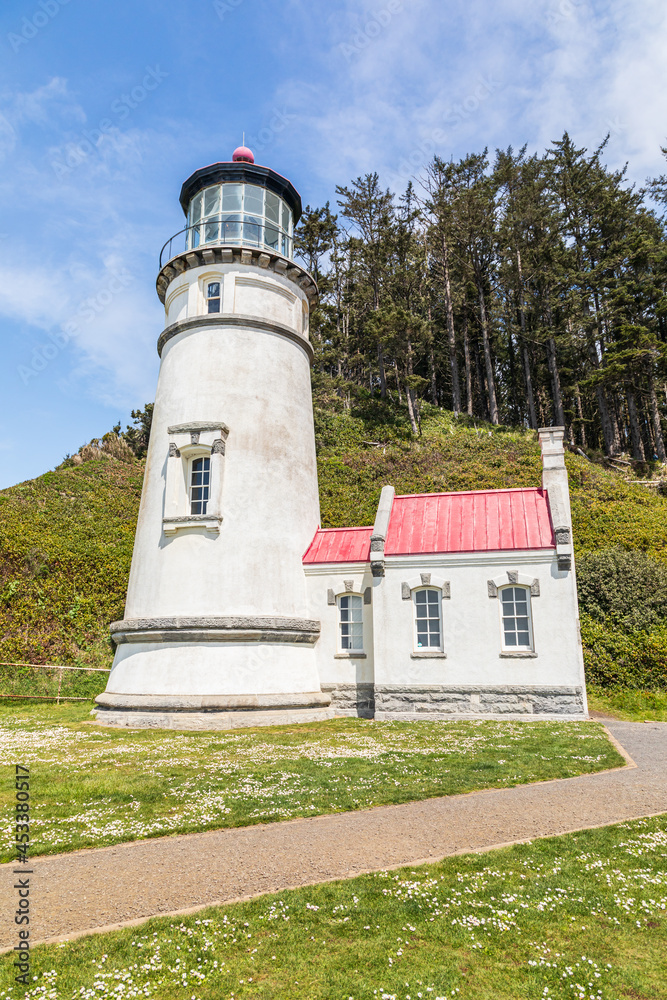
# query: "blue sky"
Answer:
x=106 y=108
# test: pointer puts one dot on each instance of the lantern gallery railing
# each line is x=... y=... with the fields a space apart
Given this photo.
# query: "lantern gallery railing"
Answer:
x=228 y=230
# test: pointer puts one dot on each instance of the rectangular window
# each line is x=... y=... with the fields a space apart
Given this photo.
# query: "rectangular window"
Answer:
x=428 y=621
x=351 y=622
x=200 y=482
x=515 y=609
x=213 y=296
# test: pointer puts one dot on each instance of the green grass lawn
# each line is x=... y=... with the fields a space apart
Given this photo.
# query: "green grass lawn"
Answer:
x=580 y=917
x=632 y=706
x=92 y=786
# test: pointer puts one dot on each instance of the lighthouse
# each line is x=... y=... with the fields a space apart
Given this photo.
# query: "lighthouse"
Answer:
x=219 y=630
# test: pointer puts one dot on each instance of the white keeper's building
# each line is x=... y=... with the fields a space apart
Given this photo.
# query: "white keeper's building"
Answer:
x=241 y=610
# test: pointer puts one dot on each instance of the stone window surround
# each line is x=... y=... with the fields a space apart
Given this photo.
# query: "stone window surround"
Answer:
x=434 y=582
x=349 y=588
x=512 y=578
x=197 y=439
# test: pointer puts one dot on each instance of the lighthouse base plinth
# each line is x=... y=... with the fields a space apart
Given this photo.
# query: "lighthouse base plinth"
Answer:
x=211 y=711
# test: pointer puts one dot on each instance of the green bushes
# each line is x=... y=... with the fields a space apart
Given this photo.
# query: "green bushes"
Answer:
x=627 y=589
x=617 y=658
x=623 y=607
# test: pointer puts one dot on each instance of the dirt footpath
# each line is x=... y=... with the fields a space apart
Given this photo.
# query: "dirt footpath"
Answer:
x=102 y=888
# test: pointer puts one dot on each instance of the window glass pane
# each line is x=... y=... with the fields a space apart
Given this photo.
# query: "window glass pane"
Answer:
x=231 y=228
x=212 y=201
x=350 y=608
x=286 y=218
x=214 y=305
x=195 y=209
x=523 y=638
x=212 y=232
x=273 y=207
x=252 y=229
x=231 y=197
x=507 y=595
x=510 y=639
x=427 y=618
x=253 y=201
x=213 y=289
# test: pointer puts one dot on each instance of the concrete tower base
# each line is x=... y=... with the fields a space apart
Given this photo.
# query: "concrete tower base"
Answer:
x=209 y=720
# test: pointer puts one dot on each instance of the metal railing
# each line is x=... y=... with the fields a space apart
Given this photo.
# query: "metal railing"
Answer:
x=59 y=696
x=228 y=231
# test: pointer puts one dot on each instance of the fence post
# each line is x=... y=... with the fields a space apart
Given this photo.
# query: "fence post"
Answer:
x=60 y=680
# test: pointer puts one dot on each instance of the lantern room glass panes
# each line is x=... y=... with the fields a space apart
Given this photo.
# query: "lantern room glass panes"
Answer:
x=515 y=609
x=246 y=214
x=200 y=482
x=428 y=622
x=351 y=622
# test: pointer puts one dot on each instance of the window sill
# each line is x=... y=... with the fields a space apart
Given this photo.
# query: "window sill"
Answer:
x=429 y=655
x=520 y=654
x=350 y=656
x=206 y=522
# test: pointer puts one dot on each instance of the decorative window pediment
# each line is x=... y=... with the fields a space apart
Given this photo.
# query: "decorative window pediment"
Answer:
x=195 y=467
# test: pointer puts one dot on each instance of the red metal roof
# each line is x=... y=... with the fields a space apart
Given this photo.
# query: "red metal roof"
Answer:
x=340 y=545
x=479 y=521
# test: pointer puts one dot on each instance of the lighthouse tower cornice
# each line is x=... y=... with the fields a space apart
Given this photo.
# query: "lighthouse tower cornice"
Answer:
x=184 y=260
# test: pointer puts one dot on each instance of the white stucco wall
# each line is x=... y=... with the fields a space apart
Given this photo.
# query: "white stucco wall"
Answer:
x=472 y=626
x=334 y=666
x=257 y=383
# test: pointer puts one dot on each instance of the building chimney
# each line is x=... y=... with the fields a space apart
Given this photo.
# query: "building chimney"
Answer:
x=554 y=481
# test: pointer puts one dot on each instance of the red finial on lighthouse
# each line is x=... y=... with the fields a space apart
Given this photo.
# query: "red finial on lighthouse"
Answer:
x=243 y=155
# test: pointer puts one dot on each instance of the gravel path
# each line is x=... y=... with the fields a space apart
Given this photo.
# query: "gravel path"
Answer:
x=74 y=894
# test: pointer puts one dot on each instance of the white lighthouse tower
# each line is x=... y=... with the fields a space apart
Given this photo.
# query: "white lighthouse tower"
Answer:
x=217 y=631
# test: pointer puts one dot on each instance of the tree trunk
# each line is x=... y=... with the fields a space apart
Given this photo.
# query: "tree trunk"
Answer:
x=431 y=361
x=580 y=414
x=466 y=355
x=605 y=417
x=434 y=388
x=529 y=385
x=635 y=432
x=451 y=333
x=488 y=361
x=559 y=415
x=413 y=410
x=383 y=376
x=655 y=419
x=530 y=398
x=398 y=385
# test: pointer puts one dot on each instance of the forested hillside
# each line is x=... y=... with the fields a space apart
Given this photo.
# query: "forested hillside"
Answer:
x=66 y=537
x=522 y=290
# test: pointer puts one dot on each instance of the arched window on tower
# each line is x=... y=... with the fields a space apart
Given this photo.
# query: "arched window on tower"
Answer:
x=200 y=484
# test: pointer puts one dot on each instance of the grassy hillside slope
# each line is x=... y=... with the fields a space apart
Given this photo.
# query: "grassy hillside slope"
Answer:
x=66 y=537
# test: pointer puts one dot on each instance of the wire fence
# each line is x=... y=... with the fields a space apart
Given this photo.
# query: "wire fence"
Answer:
x=50 y=682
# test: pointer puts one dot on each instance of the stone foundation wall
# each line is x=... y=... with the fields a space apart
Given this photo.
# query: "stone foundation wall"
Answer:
x=437 y=701
x=352 y=699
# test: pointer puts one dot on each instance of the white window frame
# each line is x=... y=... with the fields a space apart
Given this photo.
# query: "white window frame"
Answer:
x=349 y=650
x=415 y=640
x=530 y=648
x=213 y=298
x=206 y=485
